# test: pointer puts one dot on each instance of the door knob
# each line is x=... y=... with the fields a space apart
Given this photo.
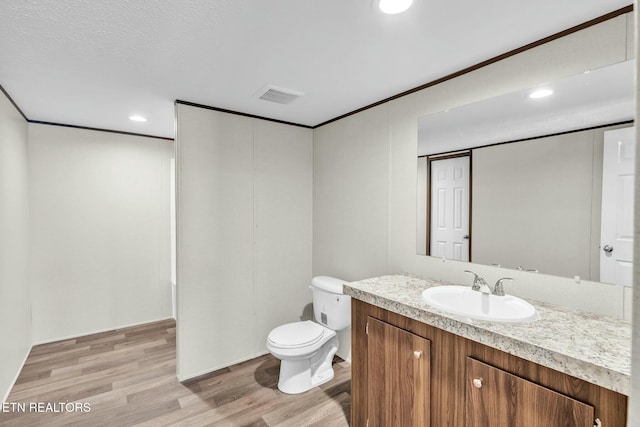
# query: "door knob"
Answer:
x=466 y=237
x=608 y=249
x=477 y=382
x=417 y=354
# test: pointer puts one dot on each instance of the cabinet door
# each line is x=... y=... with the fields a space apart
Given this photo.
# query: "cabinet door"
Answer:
x=399 y=377
x=497 y=398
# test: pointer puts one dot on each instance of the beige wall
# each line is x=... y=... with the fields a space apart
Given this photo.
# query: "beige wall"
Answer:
x=350 y=192
x=15 y=308
x=395 y=125
x=596 y=46
x=244 y=206
x=100 y=253
x=511 y=183
x=350 y=201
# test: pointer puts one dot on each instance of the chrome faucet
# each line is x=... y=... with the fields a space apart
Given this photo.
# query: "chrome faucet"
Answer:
x=498 y=289
x=479 y=284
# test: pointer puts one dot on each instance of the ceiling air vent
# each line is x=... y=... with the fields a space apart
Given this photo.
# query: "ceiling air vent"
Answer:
x=277 y=94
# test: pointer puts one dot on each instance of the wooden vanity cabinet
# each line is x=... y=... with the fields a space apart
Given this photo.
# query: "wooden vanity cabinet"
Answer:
x=391 y=387
x=498 y=398
x=398 y=376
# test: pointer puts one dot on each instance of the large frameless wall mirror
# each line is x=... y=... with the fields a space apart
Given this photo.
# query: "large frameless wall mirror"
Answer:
x=534 y=182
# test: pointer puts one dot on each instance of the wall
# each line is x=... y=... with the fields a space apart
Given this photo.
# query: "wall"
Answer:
x=392 y=128
x=591 y=48
x=100 y=223
x=15 y=309
x=244 y=209
x=350 y=200
x=511 y=182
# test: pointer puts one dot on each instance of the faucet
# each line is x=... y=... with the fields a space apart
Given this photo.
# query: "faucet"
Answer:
x=498 y=289
x=479 y=284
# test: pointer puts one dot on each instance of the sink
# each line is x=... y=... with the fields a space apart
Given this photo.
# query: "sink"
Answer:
x=464 y=301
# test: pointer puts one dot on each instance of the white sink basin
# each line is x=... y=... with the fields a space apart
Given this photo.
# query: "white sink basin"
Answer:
x=464 y=301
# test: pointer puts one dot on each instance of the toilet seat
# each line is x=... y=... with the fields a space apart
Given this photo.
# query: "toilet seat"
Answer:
x=296 y=335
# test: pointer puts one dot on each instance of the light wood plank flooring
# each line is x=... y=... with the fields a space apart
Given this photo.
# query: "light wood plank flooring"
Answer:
x=127 y=376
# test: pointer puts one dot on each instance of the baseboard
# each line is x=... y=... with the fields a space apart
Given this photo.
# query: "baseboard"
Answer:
x=83 y=334
x=13 y=383
x=207 y=371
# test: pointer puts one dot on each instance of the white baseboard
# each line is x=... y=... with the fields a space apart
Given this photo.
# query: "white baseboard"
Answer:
x=83 y=334
x=15 y=378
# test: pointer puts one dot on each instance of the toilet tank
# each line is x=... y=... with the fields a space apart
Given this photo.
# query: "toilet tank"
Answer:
x=331 y=307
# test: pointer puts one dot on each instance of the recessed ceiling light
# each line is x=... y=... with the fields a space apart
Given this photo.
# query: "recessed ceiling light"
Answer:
x=137 y=118
x=392 y=7
x=540 y=93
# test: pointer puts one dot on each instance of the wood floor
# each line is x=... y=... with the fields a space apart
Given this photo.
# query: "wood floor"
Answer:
x=127 y=376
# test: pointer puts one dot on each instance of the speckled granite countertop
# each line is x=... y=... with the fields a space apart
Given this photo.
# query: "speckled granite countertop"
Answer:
x=591 y=347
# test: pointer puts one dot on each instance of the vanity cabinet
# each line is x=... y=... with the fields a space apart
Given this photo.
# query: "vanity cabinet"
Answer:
x=393 y=387
x=399 y=376
x=498 y=398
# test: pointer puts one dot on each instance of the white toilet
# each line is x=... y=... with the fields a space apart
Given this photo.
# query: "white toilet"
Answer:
x=306 y=348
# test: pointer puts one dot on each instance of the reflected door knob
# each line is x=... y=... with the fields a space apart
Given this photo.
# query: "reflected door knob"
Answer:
x=608 y=249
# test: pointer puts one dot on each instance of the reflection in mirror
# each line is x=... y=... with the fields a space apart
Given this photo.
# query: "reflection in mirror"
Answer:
x=542 y=184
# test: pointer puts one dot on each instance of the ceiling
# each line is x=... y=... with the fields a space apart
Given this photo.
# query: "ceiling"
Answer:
x=595 y=98
x=94 y=63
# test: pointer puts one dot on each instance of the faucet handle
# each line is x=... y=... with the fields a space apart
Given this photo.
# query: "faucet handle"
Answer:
x=479 y=284
x=476 y=285
x=498 y=289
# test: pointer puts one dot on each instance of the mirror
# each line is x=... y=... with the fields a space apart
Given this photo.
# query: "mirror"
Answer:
x=517 y=181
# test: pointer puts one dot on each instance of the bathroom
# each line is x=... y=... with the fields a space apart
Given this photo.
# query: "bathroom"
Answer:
x=338 y=200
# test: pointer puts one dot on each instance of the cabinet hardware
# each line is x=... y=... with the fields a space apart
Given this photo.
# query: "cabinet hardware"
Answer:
x=477 y=382
x=417 y=354
x=597 y=423
x=366 y=329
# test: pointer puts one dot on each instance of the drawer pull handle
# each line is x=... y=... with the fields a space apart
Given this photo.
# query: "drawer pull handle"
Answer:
x=417 y=354
x=477 y=382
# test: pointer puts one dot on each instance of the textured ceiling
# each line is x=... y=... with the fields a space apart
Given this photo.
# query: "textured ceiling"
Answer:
x=94 y=63
x=600 y=97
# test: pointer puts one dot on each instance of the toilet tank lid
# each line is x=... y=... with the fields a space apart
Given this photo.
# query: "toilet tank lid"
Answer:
x=329 y=284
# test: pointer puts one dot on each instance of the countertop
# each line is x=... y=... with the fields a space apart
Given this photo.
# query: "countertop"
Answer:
x=588 y=346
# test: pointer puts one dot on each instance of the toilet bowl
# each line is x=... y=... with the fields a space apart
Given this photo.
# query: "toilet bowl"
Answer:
x=306 y=348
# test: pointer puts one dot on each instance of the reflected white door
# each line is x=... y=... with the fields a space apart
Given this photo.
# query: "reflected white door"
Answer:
x=449 y=228
x=616 y=243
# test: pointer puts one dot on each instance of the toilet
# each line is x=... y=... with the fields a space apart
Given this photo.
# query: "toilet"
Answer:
x=306 y=348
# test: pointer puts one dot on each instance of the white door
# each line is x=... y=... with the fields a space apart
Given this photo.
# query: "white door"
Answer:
x=616 y=242
x=449 y=228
